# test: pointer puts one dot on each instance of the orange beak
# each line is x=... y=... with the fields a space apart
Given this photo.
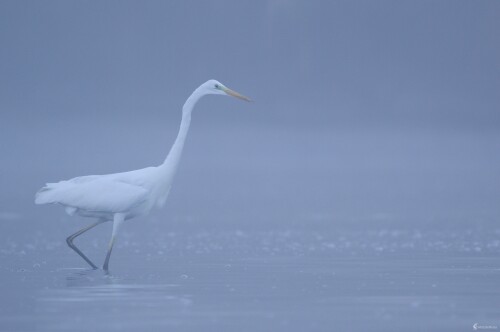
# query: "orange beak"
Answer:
x=235 y=94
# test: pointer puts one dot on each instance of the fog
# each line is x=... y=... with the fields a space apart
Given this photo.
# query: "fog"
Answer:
x=359 y=190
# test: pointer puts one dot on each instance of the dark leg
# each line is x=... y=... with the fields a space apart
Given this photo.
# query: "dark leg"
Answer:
x=70 y=239
x=105 y=267
x=118 y=218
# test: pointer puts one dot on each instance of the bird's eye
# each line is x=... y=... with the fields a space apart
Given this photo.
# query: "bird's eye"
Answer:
x=216 y=86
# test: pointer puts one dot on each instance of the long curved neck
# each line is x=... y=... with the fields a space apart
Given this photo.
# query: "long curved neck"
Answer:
x=175 y=153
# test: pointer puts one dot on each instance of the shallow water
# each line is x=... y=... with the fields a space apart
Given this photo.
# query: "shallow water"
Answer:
x=266 y=280
x=312 y=231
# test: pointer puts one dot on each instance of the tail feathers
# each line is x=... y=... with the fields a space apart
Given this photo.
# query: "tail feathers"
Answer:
x=45 y=194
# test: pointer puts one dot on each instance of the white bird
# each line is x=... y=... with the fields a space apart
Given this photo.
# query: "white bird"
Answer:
x=126 y=195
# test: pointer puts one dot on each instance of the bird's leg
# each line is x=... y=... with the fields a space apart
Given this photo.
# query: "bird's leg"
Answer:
x=69 y=241
x=118 y=218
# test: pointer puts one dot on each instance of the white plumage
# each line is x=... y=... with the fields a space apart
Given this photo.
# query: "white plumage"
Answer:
x=100 y=195
x=123 y=196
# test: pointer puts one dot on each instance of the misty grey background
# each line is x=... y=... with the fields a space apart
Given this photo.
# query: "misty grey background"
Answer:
x=370 y=117
x=97 y=87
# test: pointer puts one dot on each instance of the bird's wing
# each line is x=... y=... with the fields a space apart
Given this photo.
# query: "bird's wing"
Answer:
x=94 y=193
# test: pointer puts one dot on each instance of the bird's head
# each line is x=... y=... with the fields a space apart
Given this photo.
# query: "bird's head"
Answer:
x=217 y=88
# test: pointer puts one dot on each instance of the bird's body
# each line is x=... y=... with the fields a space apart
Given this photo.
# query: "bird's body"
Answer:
x=122 y=196
x=101 y=196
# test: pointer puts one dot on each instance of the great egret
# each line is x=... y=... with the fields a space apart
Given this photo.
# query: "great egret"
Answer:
x=126 y=195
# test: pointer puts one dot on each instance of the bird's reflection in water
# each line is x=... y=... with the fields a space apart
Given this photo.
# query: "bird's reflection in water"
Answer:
x=98 y=283
x=92 y=278
x=103 y=300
